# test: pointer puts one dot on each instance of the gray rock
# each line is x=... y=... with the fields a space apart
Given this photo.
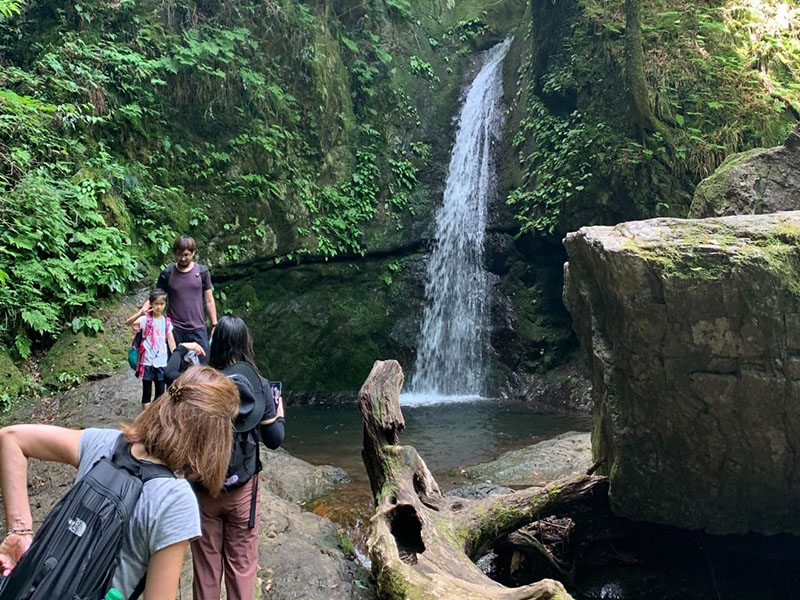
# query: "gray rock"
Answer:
x=295 y=480
x=479 y=490
x=692 y=332
x=563 y=455
x=754 y=182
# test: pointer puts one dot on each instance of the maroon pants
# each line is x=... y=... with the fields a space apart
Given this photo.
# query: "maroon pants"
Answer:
x=228 y=545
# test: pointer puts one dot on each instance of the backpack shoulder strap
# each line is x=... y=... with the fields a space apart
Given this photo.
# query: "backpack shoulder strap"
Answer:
x=144 y=470
x=149 y=328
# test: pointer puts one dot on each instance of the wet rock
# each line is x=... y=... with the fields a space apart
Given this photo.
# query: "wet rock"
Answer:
x=692 y=332
x=299 y=557
x=754 y=182
x=567 y=454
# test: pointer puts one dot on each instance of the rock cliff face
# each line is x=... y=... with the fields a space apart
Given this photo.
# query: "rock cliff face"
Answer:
x=754 y=182
x=692 y=331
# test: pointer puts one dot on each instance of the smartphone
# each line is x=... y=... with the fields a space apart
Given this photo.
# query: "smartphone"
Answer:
x=276 y=390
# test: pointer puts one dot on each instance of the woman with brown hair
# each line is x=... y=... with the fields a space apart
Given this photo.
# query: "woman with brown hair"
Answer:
x=174 y=431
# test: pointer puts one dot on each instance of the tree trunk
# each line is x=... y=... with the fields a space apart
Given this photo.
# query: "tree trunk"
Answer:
x=421 y=542
x=638 y=94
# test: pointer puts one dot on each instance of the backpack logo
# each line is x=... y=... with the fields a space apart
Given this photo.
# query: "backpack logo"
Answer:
x=77 y=526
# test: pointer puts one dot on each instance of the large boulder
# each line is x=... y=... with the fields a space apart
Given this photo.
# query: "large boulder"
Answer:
x=692 y=332
x=753 y=182
x=564 y=455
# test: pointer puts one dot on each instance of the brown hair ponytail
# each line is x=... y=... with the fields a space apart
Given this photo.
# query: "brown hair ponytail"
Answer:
x=189 y=427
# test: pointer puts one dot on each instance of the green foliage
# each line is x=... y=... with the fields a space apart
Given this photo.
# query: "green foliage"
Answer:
x=129 y=124
x=59 y=255
x=401 y=8
x=9 y=8
x=467 y=30
x=723 y=78
x=422 y=68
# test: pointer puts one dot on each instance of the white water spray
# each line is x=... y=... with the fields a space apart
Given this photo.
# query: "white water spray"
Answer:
x=454 y=340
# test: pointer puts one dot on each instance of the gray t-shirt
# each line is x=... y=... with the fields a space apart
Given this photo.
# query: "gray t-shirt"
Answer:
x=166 y=512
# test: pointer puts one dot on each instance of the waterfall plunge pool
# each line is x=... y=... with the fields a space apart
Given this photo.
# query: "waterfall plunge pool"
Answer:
x=448 y=436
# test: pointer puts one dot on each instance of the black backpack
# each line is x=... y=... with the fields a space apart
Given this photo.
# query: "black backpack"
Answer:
x=245 y=460
x=75 y=552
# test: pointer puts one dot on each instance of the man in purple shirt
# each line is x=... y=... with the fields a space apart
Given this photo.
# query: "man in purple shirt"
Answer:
x=188 y=286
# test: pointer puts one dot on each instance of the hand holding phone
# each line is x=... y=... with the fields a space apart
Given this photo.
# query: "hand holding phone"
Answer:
x=276 y=390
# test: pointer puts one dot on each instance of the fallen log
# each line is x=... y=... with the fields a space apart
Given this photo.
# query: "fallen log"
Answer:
x=422 y=543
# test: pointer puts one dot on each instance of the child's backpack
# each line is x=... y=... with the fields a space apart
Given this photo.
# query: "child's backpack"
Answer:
x=75 y=552
x=136 y=350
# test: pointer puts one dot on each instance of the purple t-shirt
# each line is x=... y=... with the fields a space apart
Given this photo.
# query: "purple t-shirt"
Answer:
x=186 y=306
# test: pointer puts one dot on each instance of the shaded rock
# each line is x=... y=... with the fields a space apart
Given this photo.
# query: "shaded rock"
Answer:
x=295 y=480
x=560 y=390
x=754 y=182
x=76 y=357
x=319 y=327
x=11 y=380
x=567 y=454
x=692 y=332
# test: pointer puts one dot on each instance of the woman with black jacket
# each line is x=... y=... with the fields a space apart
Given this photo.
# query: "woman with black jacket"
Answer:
x=229 y=522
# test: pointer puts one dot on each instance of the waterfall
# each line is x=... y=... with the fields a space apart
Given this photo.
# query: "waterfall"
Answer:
x=454 y=339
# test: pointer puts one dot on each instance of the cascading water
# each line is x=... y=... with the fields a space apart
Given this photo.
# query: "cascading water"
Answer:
x=454 y=339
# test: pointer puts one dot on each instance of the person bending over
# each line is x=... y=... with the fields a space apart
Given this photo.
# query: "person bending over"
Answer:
x=173 y=431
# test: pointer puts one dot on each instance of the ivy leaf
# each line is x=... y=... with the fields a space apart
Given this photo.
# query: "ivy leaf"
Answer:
x=351 y=45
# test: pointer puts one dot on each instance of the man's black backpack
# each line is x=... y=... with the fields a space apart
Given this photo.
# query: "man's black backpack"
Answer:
x=245 y=457
x=76 y=550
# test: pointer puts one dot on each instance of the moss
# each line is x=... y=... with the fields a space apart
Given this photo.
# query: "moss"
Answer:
x=320 y=328
x=347 y=548
x=391 y=586
x=12 y=382
x=74 y=358
x=709 y=196
x=77 y=357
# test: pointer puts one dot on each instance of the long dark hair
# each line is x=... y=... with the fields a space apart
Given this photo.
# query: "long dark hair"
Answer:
x=232 y=343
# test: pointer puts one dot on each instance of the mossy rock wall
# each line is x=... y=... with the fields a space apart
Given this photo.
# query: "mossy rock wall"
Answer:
x=692 y=332
x=77 y=357
x=319 y=327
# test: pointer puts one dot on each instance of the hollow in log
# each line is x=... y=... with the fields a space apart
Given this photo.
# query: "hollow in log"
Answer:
x=422 y=543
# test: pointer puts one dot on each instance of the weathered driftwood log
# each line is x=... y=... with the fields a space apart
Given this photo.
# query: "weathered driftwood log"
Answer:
x=422 y=542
